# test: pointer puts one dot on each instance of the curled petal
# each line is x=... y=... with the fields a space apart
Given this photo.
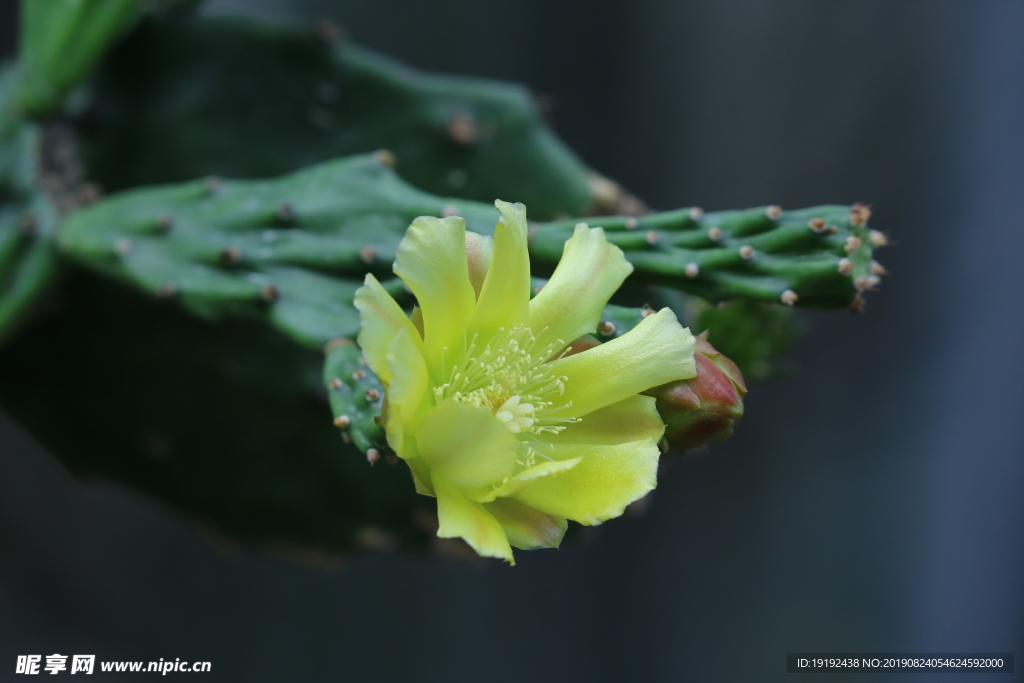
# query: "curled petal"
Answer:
x=460 y=517
x=657 y=351
x=600 y=487
x=570 y=304
x=526 y=528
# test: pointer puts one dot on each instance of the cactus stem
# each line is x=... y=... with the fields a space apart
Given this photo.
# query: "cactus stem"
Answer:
x=334 y=384
x=358 y=374
x=372 y=395
x=877 y=238
x=230 y=255
x=651 y=237
x=462 y=128
x=607 y=328
x=385 y=158
x=632 y=223
x=774 y=212
x=852 y=244
x=696 y=213
x=362 y=360
x=878 y=269
x=165 y=222
x=715 y=234
x=368 y=254
x=788 y=297
x=747 y=252
x=449 y=210
x=269 y=293
x=372 y=456
x=845 y=266
x=122 y=246
x=692 y=270
x=342 y=421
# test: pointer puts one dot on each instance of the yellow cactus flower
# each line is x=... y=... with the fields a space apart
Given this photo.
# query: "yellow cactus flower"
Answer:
x=494 y=418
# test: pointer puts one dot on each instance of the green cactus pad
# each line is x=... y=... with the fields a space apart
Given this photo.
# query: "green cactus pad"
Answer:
x=225 y=424
x=294 y=250
x=244 y=99
x=291 y=251
x=819 y=257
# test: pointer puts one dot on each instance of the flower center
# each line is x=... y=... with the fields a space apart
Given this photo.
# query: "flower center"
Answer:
x=513 y=378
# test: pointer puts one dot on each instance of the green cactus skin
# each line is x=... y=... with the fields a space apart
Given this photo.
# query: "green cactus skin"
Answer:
x=819 y=257
x=244 y=99
x=355 y=394
x=294 y=250
x=225 y=424
x=61 y=41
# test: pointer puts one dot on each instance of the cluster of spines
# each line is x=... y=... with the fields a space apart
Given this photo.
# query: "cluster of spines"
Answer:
x=820 y=257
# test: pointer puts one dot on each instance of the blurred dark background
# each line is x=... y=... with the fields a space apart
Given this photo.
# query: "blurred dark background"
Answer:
x=871 y=502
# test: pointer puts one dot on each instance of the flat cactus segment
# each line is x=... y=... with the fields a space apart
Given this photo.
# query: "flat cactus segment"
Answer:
x=227 y=425
x=291 y=251
x=245 y=99
x=819 y=257
x=61 y=41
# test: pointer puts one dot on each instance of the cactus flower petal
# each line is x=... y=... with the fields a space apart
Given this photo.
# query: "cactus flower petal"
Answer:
x=460 y=517
x=466 y=445
x=600 y=487
x=570 y=304
x=526 y=528
x=654 y=350
x=431 y=259
x=631 y=419
x=510 y=429
x=382 y=320
x=505 y=295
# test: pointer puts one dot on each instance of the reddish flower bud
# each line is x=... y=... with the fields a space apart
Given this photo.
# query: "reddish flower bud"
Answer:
x=703 y=409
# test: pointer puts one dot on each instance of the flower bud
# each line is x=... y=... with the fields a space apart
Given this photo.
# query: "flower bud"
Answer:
x=703 y=409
